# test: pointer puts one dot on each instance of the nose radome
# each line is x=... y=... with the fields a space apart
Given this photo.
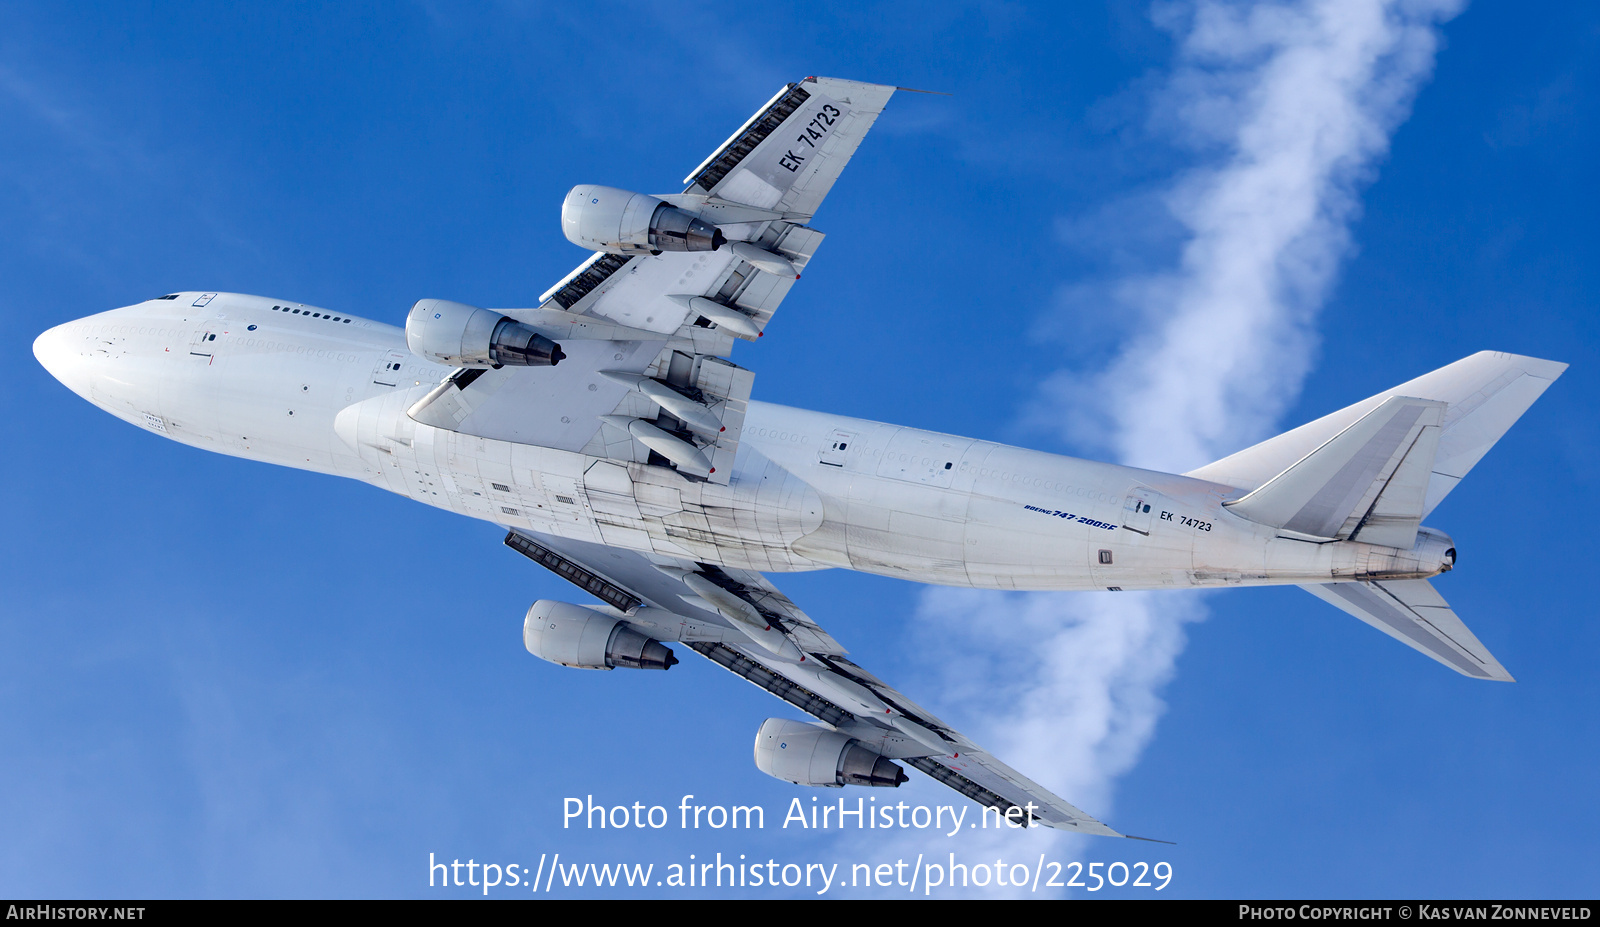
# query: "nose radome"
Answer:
x=57 y=354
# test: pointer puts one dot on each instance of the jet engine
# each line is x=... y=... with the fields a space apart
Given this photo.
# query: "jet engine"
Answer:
x=813 y=754
x=466 y=336
x=572 y=635
x=620 y=222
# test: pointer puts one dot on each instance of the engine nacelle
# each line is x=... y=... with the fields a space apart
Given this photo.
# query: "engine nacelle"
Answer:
x=572 y=635
x=812 y=754
x=466 y=336
x=620 y=222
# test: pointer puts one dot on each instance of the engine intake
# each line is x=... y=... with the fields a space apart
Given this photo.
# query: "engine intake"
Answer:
x=621 y=222
x=466 y=336
x=572 y=635
x=813 y=754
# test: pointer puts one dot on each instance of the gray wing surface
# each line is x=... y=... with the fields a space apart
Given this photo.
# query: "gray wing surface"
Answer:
x=652 y=593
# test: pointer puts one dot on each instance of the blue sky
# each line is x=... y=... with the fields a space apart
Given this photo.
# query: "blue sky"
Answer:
x=223 y=679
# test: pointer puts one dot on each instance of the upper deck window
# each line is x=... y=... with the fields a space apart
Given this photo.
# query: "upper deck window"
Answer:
x=306 y=312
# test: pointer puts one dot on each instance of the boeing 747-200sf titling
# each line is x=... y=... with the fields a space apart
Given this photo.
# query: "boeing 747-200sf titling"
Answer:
x=607 y=431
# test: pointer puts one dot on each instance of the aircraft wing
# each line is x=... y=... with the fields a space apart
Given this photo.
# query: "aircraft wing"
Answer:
x=672 y=599
x=671 y=318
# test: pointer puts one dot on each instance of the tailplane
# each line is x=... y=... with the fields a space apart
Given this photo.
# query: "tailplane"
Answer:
x=1412 y=612
x=1368 y=482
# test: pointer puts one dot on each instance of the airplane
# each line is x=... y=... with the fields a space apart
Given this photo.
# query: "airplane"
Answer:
x=607 y=432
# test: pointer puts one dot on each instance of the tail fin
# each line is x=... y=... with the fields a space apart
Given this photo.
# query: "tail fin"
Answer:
x=1413 y=613
x=1486 y=393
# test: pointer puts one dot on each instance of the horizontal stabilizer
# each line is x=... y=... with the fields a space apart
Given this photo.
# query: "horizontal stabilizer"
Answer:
x=1412 y=611
x=1370 y=478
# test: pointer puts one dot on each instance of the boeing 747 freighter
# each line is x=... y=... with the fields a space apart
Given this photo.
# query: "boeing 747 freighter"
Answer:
x=608 y=433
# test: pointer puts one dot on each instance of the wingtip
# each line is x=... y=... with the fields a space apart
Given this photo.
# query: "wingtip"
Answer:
x=1170 y=843
x=814 y=78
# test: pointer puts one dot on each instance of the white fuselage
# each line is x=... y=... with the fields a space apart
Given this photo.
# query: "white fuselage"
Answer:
x=299 y=386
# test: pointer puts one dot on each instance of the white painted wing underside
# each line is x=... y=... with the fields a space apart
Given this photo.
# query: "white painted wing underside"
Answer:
x=826 y=685
x=788 y=155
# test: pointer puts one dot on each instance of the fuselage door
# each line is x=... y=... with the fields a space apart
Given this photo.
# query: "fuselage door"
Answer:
x=835 y=448
x=1137 y=509
x=387 y=373
x=204 y=343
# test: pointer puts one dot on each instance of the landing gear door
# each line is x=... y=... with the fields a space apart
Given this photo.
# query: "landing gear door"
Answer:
x=1137 y=509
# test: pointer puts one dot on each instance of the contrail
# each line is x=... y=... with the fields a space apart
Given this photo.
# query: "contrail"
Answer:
x=1288 y=107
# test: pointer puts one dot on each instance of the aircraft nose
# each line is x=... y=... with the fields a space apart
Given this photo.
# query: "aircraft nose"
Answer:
x=57 y=354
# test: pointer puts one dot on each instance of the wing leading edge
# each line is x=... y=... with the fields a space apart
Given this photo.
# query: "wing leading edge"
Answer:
x=654 y=595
